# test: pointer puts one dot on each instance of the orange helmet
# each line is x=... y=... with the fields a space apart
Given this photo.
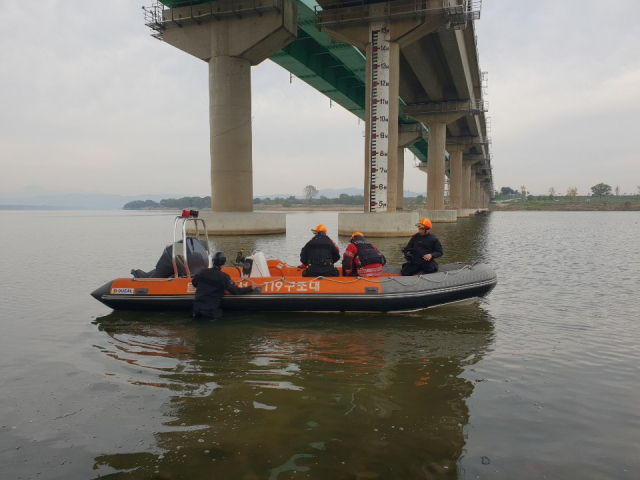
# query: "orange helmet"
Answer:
x=319 y=228
x=356 y=234
x=424 y=223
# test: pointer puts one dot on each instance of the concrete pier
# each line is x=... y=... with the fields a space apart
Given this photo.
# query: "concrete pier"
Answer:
x=244 y=223
x=440 y=216
x=378 y=224
x=231 y=43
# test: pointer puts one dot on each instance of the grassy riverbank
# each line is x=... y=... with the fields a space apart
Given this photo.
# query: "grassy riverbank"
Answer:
x=576 y=204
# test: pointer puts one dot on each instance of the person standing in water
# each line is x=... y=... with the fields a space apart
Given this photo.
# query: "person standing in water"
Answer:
x=210 y=286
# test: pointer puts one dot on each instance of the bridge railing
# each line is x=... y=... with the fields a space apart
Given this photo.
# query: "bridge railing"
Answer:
x=469 y=140
x=158 y=17
x=472 y=107
x=460 y=12
x=456 y=13
x=153 y=19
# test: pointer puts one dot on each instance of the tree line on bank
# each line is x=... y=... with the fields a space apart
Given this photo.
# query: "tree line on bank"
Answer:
x=169 y=203
x=310 y=193
x=286 y=202
x=600 y=190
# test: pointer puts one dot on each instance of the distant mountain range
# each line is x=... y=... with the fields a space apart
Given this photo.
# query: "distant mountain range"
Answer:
x=36 y=197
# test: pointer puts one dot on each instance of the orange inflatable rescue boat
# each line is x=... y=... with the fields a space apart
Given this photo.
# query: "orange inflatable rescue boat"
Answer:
x=282 y=287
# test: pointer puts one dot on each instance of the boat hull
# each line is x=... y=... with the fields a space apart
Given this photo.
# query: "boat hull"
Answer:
x=290 y=293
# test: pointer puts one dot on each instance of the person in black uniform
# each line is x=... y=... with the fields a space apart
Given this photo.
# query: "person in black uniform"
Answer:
x=422 y=251
x=319 y=255
x=210 y=286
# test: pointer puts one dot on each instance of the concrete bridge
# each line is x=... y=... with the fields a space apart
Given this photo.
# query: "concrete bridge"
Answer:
x=408 y=68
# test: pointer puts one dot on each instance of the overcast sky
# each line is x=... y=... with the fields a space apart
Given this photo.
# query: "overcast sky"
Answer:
x=89 y=101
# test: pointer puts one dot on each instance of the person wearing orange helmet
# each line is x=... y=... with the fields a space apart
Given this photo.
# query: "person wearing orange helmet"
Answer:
x=422 y=250
x=319 y=255
x=361 y=258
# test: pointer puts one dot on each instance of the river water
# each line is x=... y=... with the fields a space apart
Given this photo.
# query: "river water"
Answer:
x=541 y=379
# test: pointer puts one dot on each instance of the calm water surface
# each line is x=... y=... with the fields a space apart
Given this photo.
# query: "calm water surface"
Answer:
x=538 y=380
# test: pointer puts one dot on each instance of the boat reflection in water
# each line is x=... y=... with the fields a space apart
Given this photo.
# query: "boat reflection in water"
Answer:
x=333 y=396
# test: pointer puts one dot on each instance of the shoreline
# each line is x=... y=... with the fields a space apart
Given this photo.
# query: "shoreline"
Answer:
x=568 y=207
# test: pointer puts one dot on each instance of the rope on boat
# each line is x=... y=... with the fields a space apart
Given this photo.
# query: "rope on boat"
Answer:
x=429 y=278
x=426 y=277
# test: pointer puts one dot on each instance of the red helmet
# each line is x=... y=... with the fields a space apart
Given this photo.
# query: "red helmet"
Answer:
x=320 y=228
x=424 y=223
x=356 y=234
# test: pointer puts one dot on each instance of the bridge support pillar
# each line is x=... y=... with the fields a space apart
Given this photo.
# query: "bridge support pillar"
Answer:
x=436 y=165
x=473 y=191
x=436 y=116
x=380 y=31
x=231 y=44
x=230 y=134
x=400 y=183
x=466 y=187
x=435 y=170
x=458 y=180
x=486 y=194
x=455 y=176
x=407 y=135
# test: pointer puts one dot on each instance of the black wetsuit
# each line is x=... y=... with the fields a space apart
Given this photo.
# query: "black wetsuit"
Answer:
x=319 y=254
x=419 y=246
x=210 y=286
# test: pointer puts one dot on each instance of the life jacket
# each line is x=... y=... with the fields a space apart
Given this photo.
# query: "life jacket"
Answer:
x=320 y=251
x=367 y=254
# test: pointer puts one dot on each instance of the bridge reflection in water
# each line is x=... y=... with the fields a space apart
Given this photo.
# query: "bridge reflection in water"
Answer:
x=330 y=396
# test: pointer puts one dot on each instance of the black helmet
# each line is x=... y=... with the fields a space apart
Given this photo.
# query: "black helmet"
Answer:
x=219 y=259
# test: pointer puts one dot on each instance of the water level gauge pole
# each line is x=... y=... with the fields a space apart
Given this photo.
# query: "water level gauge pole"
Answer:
x=379 y=120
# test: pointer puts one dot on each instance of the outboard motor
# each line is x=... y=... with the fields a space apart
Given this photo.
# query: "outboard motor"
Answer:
x=197 y=256
x=247 y=265
x=255 y=266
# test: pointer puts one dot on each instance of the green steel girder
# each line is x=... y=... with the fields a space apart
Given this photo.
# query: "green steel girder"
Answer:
x=315 y=65
x=337 y=70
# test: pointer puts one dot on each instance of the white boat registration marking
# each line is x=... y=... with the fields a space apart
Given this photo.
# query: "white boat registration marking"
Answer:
x=123 y=291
